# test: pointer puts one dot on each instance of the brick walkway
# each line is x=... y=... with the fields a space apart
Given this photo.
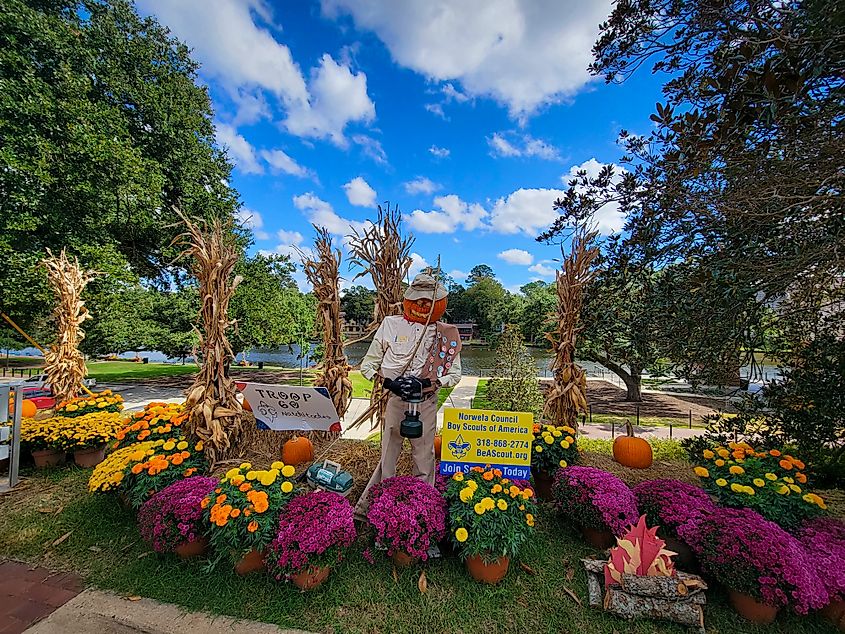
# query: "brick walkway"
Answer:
x=28 y=594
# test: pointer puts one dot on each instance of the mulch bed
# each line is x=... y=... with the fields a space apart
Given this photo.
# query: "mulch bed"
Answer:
x=606 y=398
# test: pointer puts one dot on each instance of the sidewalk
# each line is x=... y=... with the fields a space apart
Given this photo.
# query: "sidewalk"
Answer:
x=29 y=594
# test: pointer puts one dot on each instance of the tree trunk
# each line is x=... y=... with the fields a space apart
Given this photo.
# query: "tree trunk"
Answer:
x=632 y=378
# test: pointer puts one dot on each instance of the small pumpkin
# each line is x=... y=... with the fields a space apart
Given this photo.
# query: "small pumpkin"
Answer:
x=28 y=408
x=297 y=450
x=438 y=442
x=630 y=451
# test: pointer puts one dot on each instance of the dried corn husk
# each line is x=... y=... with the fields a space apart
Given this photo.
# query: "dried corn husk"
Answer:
x=383 y=253
x=63 y=362
x=215 y=413
x=323 y=273
x=568 y=394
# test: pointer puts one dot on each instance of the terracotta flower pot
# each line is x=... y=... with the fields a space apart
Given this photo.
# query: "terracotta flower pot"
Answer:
x=253 y=561
x=48 y=458
x=401 y=559
x=86 y=458
x=491 y=573
x=686 y=559
x=310 y=578
x=543 y=485
x=835 y=613
x=751 y=609
x=603 y=539
x=195 y=548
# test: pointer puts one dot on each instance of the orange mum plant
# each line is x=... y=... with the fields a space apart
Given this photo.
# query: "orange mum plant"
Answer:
x=243 y=511
x=157 y=421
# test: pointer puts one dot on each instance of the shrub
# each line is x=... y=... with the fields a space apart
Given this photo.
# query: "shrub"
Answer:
x=514 y=386
x=314 y=531
x=407 y=514
x=554 y=447
x=677 y=507
x=173 y=516
x=105 y=401
x=595 y=499
x=242 y=513
x=824 y=539
x=752 y=555
x=490 y=516
x=770 y=482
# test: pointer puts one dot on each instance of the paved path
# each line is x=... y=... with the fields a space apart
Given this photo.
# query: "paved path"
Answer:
x=29 y=594
x=94 y=612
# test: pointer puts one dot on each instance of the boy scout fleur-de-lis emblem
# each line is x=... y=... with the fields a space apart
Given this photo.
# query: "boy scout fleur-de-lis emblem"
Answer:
x=459 y=447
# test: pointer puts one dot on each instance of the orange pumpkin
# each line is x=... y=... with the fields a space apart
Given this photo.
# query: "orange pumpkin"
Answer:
x=418 y=313
x=247 y=406
x=630 y=451
x=438 y=441
x=297 y=450
x=28 y=408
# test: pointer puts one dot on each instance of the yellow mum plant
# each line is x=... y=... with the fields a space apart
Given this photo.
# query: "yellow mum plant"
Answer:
x=105 y=401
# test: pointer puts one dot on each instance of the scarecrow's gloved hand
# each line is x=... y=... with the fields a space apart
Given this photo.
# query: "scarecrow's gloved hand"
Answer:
x=395 y=386
x=426 y=383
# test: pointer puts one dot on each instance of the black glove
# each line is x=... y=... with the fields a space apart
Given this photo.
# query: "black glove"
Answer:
x=397 y=387
x=426 y=383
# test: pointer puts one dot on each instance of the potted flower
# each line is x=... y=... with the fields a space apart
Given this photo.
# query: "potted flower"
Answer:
x=599 y=503
x=157 y=421
x=314 y=532
x=40 y=437
x=824 y=539
x=491 y=518
x=554 y=448
x=770 y=482
x=409 y=517
x=242 y=513
x=763 y=567
x=171 y=520
x=105 y=401
x=165 y=462
x=677 y=507
x=109 y=475
x=86 y=436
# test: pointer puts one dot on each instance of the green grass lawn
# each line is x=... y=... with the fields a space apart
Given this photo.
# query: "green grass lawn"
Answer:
x=122 y=370
x=361 y=388
x=103 y=544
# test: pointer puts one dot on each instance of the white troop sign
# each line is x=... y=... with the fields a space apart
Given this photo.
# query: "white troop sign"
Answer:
x=291 y=408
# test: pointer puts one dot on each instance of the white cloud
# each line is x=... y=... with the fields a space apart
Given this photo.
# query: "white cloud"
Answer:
x=541 y=269
x=440 y=152
x=253 y=221
x=458 y=275
x=371 y=148
x=608 y=218
x=236 y=48
x=451 y=213
x=523 y=145
x=281 y=162
x=289 y=237
x=359 y=193
x=516 y=256
x=523 y=53
x=421 y=185
x=338 y=96
x=453 y=94
x=527 y=211
x=437 y=110
x=418 y=263
x=321 y=213
x=239 y=149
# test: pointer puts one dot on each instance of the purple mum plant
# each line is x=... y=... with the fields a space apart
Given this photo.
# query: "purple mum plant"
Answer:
x=595 y=499
x=173 y=516
x=408 y=515
x=314 y=531
x=824 y=539
x=677 y=507
x=749 y=554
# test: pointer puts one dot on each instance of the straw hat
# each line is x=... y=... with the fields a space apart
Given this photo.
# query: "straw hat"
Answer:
x=425 y=286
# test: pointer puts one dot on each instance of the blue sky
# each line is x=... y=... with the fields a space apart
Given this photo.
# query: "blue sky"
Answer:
x=469 y=114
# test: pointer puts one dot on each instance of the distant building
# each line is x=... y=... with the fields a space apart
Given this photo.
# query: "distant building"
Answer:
x=353 y=329
x=467 y=331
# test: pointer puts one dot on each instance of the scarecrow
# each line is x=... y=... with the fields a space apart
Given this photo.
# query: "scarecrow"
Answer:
x=415 y=354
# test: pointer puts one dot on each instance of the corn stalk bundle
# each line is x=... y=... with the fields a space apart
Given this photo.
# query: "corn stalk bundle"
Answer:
x=63 y=362
x=383 y=253
x=568 y=394
x=215 y=413
x=323 y=273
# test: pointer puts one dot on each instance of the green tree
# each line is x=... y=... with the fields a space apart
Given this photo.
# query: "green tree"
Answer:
x=358 y=304
x=536 y=310
x=514 y=386
x=480 y=272
x=486 y=302
x=269 y=309
x=103 y=129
